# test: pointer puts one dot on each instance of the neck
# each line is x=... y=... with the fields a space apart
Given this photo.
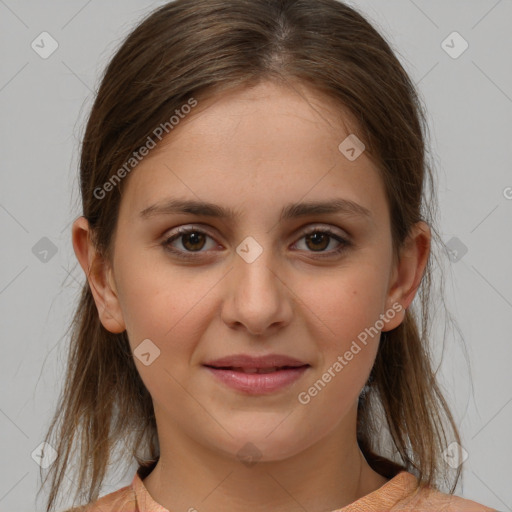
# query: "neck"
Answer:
x=326 y=476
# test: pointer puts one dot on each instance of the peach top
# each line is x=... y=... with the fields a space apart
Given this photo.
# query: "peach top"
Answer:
x=397 y=494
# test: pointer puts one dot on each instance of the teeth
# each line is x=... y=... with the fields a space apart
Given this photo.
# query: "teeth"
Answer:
x=256 y=370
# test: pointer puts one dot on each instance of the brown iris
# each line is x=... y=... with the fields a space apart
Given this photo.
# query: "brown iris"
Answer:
x=319 y=238
x=196 y=238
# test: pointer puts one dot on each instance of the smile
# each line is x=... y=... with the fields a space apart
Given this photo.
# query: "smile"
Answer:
x=258 y=381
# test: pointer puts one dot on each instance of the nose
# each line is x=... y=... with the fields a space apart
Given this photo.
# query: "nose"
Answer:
x=258 y=298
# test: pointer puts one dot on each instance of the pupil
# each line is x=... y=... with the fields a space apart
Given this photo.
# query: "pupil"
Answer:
x=318 y=237
x=195 y=239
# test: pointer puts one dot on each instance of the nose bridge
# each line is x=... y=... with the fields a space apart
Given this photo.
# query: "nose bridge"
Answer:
x=259 y=298
x=254 y=268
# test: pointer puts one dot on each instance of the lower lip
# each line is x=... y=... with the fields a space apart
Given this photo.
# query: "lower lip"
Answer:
x=258 y=383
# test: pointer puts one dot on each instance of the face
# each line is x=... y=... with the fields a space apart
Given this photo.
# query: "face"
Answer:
x=263 y=279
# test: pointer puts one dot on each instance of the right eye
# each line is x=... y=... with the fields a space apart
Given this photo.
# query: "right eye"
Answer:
x=191 y=239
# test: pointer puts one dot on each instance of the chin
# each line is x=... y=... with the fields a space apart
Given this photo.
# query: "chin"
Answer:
x=265 y=444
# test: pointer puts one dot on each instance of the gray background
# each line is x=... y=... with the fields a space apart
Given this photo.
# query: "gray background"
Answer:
x=44 y=103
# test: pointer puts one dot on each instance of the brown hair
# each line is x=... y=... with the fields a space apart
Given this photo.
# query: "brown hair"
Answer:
x=196 y=48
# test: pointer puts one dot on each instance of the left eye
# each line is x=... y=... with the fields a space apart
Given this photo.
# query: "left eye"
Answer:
x=193 y=240
x=320 y=238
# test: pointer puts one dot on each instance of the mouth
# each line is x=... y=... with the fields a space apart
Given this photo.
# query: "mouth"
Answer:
x=257 y=381
x=250 y=370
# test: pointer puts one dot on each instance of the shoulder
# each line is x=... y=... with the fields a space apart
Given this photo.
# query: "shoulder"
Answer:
x=431 y=500
x=121 y=500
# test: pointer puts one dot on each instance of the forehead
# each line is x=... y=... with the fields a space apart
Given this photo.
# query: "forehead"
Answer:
x=258 y=148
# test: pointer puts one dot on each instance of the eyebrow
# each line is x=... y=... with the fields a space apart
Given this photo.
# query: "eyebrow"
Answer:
x=290 y=211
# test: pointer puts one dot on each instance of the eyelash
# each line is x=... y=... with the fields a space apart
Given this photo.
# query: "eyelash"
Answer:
x=345 y=244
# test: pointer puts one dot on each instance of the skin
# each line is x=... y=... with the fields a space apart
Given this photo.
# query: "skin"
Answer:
x=255 y=150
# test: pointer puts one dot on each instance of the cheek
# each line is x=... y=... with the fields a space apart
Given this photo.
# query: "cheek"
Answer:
x=343 y=309
x=159 y=298
x=347 y=348
x=344 y=303
x=166 y=305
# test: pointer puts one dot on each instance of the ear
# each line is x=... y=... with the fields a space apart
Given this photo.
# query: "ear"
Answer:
x=100 y=276
x=408 y=272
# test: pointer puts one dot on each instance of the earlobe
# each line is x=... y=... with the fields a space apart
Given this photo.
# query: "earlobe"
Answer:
x=99 y=276
x=408 y=273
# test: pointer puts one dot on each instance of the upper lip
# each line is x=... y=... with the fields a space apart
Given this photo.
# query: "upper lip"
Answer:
x=247 y=361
